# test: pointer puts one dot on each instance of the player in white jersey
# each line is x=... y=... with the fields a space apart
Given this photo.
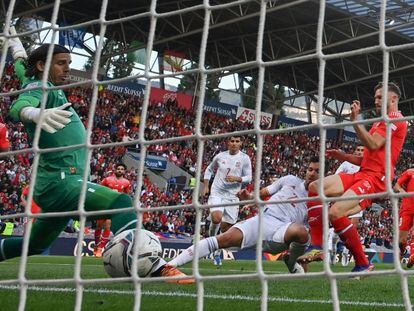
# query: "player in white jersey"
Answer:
x=232 y=168
x=349 y=168
x=283 y=226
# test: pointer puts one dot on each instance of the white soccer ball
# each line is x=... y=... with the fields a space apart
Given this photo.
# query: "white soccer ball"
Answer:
x=118 y=253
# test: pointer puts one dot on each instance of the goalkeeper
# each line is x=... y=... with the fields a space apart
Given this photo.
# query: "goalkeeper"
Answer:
x=60 y=173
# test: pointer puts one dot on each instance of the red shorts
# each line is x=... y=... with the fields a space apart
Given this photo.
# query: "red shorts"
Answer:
x=406 y=218
x=363 y=183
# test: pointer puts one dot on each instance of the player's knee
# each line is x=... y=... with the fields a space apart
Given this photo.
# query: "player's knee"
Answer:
x=216 y=218
x=297 y=233
x=122 y=201
x=313 y=186
x=232 y=238
x=303 y=235
x=334 y=213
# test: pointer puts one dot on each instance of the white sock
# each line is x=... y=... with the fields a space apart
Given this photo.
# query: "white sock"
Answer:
x=205 y=247
x=214 y=229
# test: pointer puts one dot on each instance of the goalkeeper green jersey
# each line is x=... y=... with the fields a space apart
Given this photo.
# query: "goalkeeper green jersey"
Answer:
x=52 y=164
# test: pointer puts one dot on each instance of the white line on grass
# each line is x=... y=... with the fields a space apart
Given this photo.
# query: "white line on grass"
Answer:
x=209 y=296
x=182 y=268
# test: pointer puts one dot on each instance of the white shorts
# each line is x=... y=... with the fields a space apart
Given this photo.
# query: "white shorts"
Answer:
x=274 y=229
x=230 y=213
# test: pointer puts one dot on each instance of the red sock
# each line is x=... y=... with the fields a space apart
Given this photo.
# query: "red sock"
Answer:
x=315 y=220
x=97 y=236
x=349 y=235
x=104 y=238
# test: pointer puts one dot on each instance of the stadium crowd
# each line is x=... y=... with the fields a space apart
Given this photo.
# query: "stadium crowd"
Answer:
x=118 y=117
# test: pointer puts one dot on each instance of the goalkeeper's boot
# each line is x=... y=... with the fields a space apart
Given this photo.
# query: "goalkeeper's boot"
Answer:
x=362 y=268
x=170 y=271
x=295 y=268
x=410 y=262
x=313 y=254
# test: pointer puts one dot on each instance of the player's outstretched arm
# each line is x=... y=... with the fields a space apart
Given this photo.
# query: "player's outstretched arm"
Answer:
x=16 y=47
x=51 y=120
x=342 y=156
x=19 y=54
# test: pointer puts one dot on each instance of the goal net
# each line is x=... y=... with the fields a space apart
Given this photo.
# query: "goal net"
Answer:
x=161 y=86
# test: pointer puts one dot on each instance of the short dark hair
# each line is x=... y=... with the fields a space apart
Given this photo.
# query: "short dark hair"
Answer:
x=314 y=159
x=40 y=54
x=392 y=87
x=121 y=164
x=235 y=136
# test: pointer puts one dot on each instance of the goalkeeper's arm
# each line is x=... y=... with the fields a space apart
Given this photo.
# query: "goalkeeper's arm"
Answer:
x=51 y=120
x=20 y=70
x=19 y=54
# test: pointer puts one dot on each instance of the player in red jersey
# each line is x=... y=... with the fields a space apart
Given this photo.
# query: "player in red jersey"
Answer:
x=119 y=183
x=4 y=138
x=371 y=177
x=406 y=184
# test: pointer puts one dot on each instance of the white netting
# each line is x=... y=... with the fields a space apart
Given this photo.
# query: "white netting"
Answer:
x=207 y=8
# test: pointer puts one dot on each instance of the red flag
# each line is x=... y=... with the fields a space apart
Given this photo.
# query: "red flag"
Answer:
x=173 y=61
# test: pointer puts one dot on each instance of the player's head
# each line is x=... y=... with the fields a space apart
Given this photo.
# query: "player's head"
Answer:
x=359 y=151
x=312 y=172
x=120 y=170
x=59 y=67
x=234 y=143
x=394 y=95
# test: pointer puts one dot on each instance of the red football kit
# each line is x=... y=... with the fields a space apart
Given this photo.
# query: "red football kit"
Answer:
x=371 y=177
x=4 y=137
x=406 y=181
x=121 y=185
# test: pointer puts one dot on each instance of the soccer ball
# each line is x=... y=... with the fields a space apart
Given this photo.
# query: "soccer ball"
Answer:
x=118 y=253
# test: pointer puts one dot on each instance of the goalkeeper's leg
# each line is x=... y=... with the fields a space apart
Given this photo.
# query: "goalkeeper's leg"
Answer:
x=44 y=232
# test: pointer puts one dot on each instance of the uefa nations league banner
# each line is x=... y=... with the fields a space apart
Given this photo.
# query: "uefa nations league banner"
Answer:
x=68 y=247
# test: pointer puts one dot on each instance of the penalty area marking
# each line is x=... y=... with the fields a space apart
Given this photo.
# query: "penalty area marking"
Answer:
x=208 y=296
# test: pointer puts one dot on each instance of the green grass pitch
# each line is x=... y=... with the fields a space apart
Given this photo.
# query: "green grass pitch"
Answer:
x=372 y=293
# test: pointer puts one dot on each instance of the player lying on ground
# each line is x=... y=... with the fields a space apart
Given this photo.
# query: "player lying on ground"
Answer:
x=371 y=177
x=232 y=168
x=406 y=184
x=60 y=173
x=283 y=223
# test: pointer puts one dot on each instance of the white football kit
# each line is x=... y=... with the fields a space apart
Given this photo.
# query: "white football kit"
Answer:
x=222 y=192
x=277 y=217
x=349 y=168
